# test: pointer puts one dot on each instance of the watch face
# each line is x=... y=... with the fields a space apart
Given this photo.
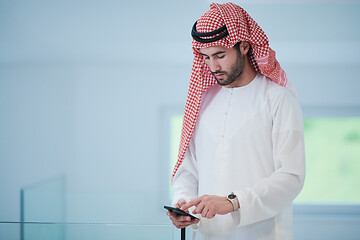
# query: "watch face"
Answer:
x=232 y=196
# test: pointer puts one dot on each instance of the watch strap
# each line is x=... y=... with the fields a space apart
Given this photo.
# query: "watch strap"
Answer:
x=234 y=201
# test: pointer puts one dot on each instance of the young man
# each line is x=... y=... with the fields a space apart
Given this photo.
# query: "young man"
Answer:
x=241 y=161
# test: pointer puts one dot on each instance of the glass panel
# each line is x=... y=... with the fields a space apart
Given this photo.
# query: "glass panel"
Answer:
x=332 y=147
x=10 y=231
x=114 y=231
x=175 y=134
x=44 y=201
x=85 y=231
x=333 y=160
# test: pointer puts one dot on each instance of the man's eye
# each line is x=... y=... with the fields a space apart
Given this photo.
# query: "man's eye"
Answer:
x=220 y=56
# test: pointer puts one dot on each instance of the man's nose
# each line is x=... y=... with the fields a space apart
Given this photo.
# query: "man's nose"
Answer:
x=214 y=65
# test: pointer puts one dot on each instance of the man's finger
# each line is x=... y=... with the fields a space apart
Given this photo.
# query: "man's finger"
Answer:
x=182 y=221
x=180 y=203
x=179 y=218
x=199 y=208
x=185 y=224
x=194 y=202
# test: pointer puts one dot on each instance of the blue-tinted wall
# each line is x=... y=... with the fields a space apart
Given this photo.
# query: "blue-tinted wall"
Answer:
x=85 y=86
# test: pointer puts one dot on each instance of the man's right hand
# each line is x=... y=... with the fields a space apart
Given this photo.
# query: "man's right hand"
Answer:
x=180 y=221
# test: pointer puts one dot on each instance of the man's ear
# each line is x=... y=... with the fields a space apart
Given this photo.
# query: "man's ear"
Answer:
x=244 y=48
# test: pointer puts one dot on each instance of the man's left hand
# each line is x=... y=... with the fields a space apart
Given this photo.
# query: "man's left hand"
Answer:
x=209 y=206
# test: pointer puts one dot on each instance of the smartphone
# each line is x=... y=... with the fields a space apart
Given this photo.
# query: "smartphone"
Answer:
x=178 y=211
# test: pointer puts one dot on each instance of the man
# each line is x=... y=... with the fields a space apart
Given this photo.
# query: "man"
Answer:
x=241 y=161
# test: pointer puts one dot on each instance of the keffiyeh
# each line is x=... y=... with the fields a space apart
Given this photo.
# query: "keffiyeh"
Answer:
x=240 y=27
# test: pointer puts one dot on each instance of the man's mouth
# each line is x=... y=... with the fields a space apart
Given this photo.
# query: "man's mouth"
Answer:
x=219 y=75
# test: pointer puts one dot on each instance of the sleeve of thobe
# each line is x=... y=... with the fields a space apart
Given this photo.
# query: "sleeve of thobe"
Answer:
x=270 y=195
x=185 y=181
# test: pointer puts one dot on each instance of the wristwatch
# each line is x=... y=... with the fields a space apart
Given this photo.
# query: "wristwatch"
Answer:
x=234 y=201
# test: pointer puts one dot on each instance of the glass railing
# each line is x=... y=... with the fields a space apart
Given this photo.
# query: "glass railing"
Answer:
x=46 y=215
x=44 y=201
x=84 y=231
x=49 y=211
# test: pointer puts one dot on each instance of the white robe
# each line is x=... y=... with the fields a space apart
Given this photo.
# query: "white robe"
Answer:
x=248 y=140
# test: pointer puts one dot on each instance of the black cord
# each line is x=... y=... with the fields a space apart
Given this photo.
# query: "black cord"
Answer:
x=223 y=32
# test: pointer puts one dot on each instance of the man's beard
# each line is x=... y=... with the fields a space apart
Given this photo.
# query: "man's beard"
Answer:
x=236 y=71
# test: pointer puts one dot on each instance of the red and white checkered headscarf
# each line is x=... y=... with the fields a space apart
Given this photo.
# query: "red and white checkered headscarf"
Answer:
x=241 y=27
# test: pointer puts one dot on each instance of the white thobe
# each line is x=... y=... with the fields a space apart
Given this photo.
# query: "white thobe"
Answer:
x=248 y=140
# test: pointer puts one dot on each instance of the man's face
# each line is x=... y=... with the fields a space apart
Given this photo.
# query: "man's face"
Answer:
x=225 y=64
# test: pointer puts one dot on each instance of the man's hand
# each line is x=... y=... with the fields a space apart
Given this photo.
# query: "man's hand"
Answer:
x=209 y=206
x=178 y=220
